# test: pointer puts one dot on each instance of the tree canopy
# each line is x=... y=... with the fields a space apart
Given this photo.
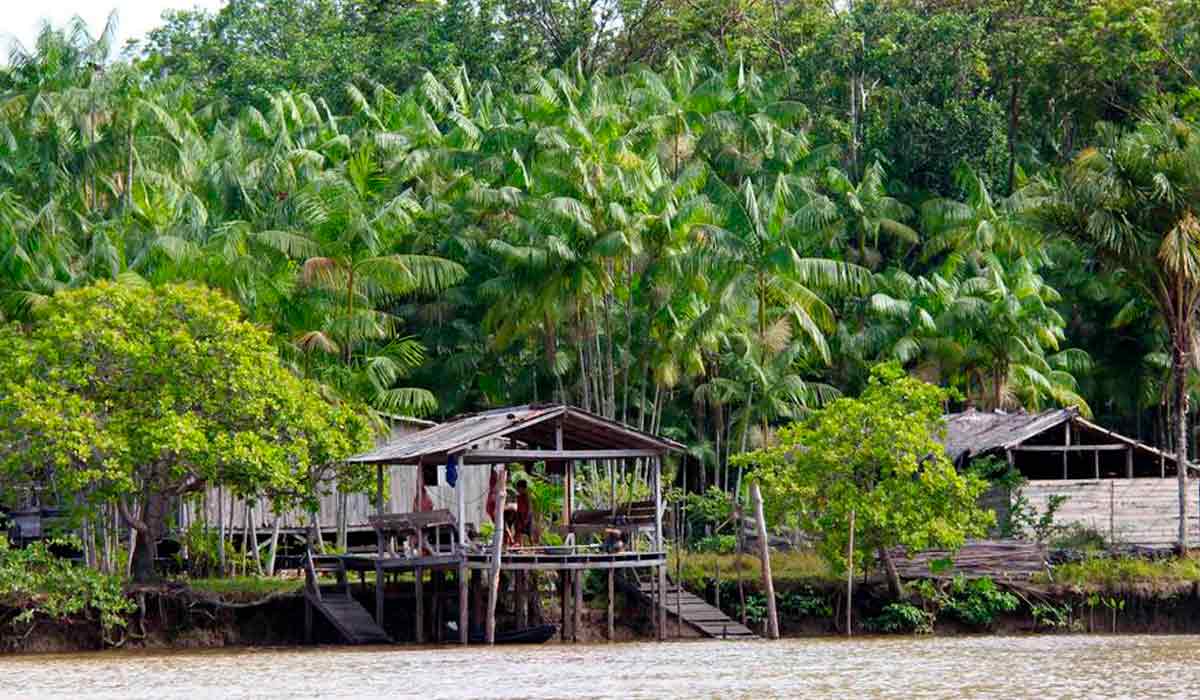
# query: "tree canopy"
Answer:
x=138 y=394
x=706 y=219
x=877 y=456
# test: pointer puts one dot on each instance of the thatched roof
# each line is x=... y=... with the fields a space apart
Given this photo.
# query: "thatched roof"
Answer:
x=532 y=425
x=977 y=433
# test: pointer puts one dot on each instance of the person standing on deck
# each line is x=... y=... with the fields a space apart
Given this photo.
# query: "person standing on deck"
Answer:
x=523 y=523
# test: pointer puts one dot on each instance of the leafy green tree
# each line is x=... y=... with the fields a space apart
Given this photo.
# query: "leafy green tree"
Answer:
x=140 y=395
x=876 y=456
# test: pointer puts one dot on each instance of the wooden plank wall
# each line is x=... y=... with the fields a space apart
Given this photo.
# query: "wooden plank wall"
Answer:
x=402 y=481
x=401 y=494
x=1128 y=511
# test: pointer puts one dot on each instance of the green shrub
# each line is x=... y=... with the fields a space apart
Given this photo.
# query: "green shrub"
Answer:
x=805 y=603
x=717 y=544
x=37 y=583
x=756 y=608
x=1049 y=616
x=977 y=602
x=901 y=618
x=709 y=511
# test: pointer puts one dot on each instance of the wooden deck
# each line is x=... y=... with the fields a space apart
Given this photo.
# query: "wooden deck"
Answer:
x=533 y=559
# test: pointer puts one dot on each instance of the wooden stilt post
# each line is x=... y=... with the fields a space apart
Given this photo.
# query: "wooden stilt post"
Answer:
x=1129 y=462
x=478 y=599
x=308 y=620
x=661 y=569
x=419 y=592
x=679 y=572
x=438 y=578
x=497 y=550
x=379 y=593
x=654 y=603
x=577 y=606
x=764 y=553
x=464 y=603
x=461 y=503
x=562 y=605
x=379 y=544
x=522 y=594
x=612 y=589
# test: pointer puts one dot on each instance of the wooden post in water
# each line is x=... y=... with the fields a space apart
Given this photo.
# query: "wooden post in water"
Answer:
x=308 y=620
x=764 y=553
x=464 y=603
x=678 y=572
x=562 y=604
x=379 y=500
x=521 y=586
x=419 y=592
x=497 y=549
x=577 y=606
x=611 y=594
x=850 y=576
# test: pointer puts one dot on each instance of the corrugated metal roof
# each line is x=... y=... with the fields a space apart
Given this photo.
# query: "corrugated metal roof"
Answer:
x=977 y=432
x=531 y=424
x=974 y=433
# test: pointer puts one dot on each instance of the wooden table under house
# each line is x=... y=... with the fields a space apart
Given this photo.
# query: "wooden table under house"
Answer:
x=559 y=436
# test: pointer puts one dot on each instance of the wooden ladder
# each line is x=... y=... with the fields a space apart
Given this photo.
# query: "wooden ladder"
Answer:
x=694 y=611
x=335 y=603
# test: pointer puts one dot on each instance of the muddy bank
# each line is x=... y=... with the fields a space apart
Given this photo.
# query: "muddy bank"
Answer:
x=181 y=619
x=165 y=619
x=818 y=609
x=175 y=617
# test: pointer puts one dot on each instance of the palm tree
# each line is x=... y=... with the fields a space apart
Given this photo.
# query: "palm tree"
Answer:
x=1132 y=200
x=991 y=330
x=356 y=225
x=754 y=257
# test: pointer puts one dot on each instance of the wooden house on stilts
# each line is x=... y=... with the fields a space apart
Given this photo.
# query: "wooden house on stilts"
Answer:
x=443 y=543
x=1121 y=489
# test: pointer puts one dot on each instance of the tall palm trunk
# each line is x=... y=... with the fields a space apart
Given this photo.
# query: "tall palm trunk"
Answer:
x=1179 y=370
x=348 y=349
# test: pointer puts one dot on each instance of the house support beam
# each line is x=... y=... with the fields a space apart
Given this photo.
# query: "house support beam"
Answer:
x=497 y=456
x=497 y=551
x=1110 y=447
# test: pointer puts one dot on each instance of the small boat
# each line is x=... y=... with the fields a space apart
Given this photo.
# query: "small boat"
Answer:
x=530 y=635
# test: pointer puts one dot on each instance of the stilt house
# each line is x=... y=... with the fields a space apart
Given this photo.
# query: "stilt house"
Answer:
x=439 y=542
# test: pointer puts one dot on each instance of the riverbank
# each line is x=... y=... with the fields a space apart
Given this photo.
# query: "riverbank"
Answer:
x=1094 y=595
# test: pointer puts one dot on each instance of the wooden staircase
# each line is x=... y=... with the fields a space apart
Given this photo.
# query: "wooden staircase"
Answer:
x=694 y=610
x=350 y=618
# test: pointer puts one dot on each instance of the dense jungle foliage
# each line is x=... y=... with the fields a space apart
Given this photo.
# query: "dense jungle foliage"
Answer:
x=703 y=218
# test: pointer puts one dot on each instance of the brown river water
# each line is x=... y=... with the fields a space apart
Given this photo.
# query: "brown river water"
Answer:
x=950 y=667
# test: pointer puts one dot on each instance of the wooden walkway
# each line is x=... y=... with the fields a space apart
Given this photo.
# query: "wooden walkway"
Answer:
x=695 y=611
x=348 y=616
